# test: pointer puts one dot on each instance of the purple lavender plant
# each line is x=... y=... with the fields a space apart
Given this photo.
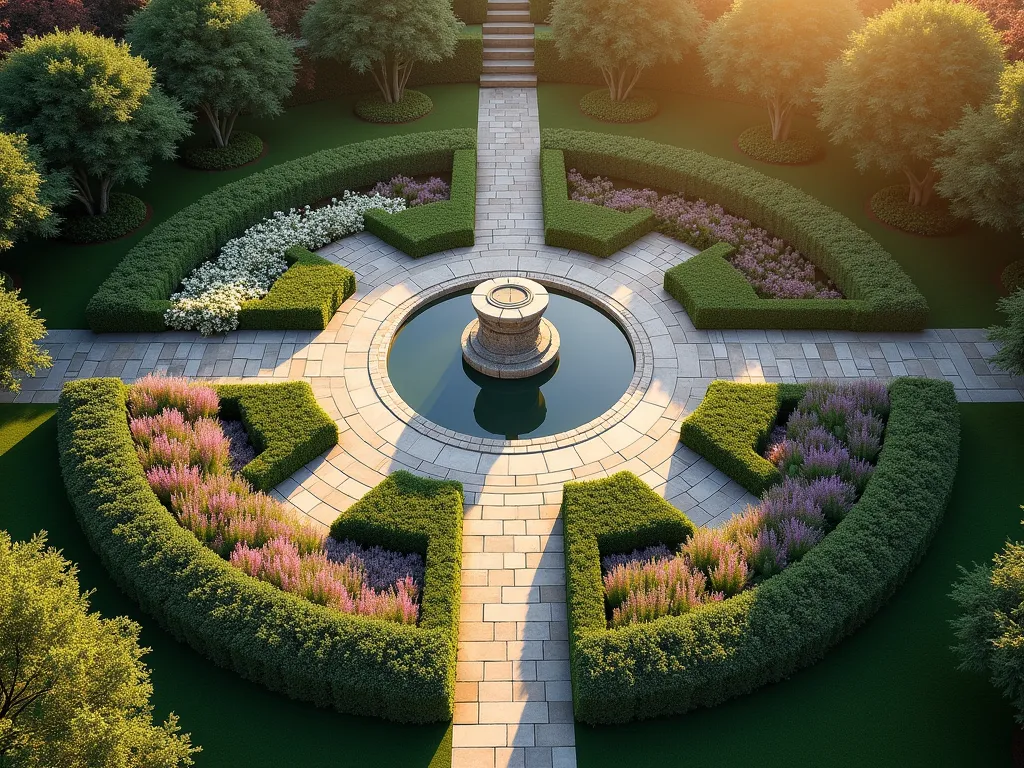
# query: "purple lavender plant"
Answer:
x=765 y=553
x=799 y=538
x=833 y=495
x=656 y=552
x=414 y=192
x=383 y=568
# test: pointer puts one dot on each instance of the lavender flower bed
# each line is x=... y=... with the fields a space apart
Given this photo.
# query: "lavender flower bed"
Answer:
x=826 y=452
x=433 y=190
x=187 y=458
x=772 y=267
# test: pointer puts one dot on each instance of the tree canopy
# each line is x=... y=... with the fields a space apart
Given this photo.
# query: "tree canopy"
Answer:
x=622 y=38
x=904 y=80
x=90 y=106
x=27 y=196
x=382 y=37
x=20 y=329
x=778 y=51
x=218 y=56
x=38 y=17
x=1007 y=16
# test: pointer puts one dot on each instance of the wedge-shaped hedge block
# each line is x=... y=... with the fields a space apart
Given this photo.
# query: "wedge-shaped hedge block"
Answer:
x=304 y=298
x=766 y=633
x=582 y=226
x=434 y=227
x=354 y=664
x=730 y=428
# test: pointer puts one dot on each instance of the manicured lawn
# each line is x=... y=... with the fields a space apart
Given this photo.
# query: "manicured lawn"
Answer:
x=237 y=723
x=891 y=694
x=59 y=278
x=959 y=275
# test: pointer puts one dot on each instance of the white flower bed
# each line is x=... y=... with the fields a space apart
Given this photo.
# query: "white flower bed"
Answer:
x=247 y=266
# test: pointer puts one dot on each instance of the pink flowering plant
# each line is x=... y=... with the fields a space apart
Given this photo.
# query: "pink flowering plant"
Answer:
x=772 y=267
x=186 y=457
x=826 y=452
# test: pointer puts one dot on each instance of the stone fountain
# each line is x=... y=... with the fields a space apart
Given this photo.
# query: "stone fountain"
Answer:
x=510 y=339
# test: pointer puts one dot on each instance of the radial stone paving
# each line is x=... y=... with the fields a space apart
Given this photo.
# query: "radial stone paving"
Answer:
x=513 y=693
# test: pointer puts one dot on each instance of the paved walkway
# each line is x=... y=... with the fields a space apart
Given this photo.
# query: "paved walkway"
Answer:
x=513 y=695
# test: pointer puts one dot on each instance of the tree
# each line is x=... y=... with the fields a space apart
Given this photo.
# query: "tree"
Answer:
x=778 y=50
x=1010 y=356
x=382 y=37
x=1007 y=16
x=622 y=38
x=110 y=17
x=73 y=688
x=20 y=329
x=27 y=196
x=904 y=80
x=286 y=15
x=983 y=172
x=90 y=106
x=218 y=56
x=38 y=17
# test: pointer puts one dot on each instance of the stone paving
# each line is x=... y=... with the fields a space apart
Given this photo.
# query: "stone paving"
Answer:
x=513 y=696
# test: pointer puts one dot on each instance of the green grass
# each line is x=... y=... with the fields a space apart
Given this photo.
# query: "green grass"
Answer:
x=59 y=278
x=890 y=695
x=238 y=724
x=959 y=275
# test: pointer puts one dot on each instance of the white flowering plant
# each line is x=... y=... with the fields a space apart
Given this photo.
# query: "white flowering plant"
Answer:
x=246 y=268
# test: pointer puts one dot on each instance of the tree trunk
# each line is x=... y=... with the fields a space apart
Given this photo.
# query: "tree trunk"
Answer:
x=83 y=191
x=921 y=188
x=105 y=185
x=215 y=124
x=780 y=114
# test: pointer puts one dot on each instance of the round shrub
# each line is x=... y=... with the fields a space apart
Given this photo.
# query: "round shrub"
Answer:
x=1013 y=276
x=243 y=148
x=599 y=105
x=125 y=213
x=413 y=106
x=799 y=148
x=892 y=206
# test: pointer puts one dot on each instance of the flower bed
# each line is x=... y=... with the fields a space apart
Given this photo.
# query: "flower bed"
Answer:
x=413 y=191
x=771 y=266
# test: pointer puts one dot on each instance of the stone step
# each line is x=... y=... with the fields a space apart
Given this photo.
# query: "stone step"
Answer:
x=508 y=27
x=508 y=53
x=508 y=40
x=505 y=17
x=488 y=80
x=509 y=66
x=509 y=5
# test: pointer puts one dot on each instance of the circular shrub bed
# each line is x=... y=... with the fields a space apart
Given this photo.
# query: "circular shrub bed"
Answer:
x=413 y=106
x=124 y=213
x=243 y=148
x=799 y=148
x=599 y=105
x=1013 y=276
x=892 y=206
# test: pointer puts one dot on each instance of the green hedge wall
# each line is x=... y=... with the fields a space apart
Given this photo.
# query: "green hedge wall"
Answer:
x=470 y=11
x=135 y=296
x=730 y=428
x=582 y=226
x=353 y=664
x=304 y=298
x=879 y=294
x=286 y=426
x=434 y=227
x=764 y=634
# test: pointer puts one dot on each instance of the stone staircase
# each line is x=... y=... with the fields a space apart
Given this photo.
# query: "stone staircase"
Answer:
x=508 y=45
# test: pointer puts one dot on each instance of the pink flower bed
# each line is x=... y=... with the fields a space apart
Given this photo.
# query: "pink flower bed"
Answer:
x=770 y=265
x=186 y=457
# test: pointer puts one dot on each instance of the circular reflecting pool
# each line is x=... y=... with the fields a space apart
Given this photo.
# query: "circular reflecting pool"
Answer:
x=594 y=368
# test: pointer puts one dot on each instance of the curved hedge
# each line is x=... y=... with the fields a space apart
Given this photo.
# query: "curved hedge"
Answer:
x=764 y=634
x=352 y=663
x=135 y=296
x=879 y=294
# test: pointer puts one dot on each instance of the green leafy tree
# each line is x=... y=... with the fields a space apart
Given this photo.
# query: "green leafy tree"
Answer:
x=983 y=174
x=622 y=38
x=218 y=56
x=20 y=329
x=383 y=37
x=905 y=80
x=92 y=107
x=990 y=627
x=1010 y=356
x=73 y=688
x=27 y=195
x=778 y=51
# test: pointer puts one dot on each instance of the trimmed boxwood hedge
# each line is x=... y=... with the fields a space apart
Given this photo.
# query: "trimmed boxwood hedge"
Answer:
x=286 y=426
x=730 y=428
x=434 y=227
x=135 y=296
x=582 y=226
x=766 y=633
x=879 y=294
x=351 y=663
x=304 y=298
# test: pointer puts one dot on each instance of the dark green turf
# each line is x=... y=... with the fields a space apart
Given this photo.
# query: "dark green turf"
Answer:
x=238 y=724
x=888 y=697
x=59 y=278
x=959 y=274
